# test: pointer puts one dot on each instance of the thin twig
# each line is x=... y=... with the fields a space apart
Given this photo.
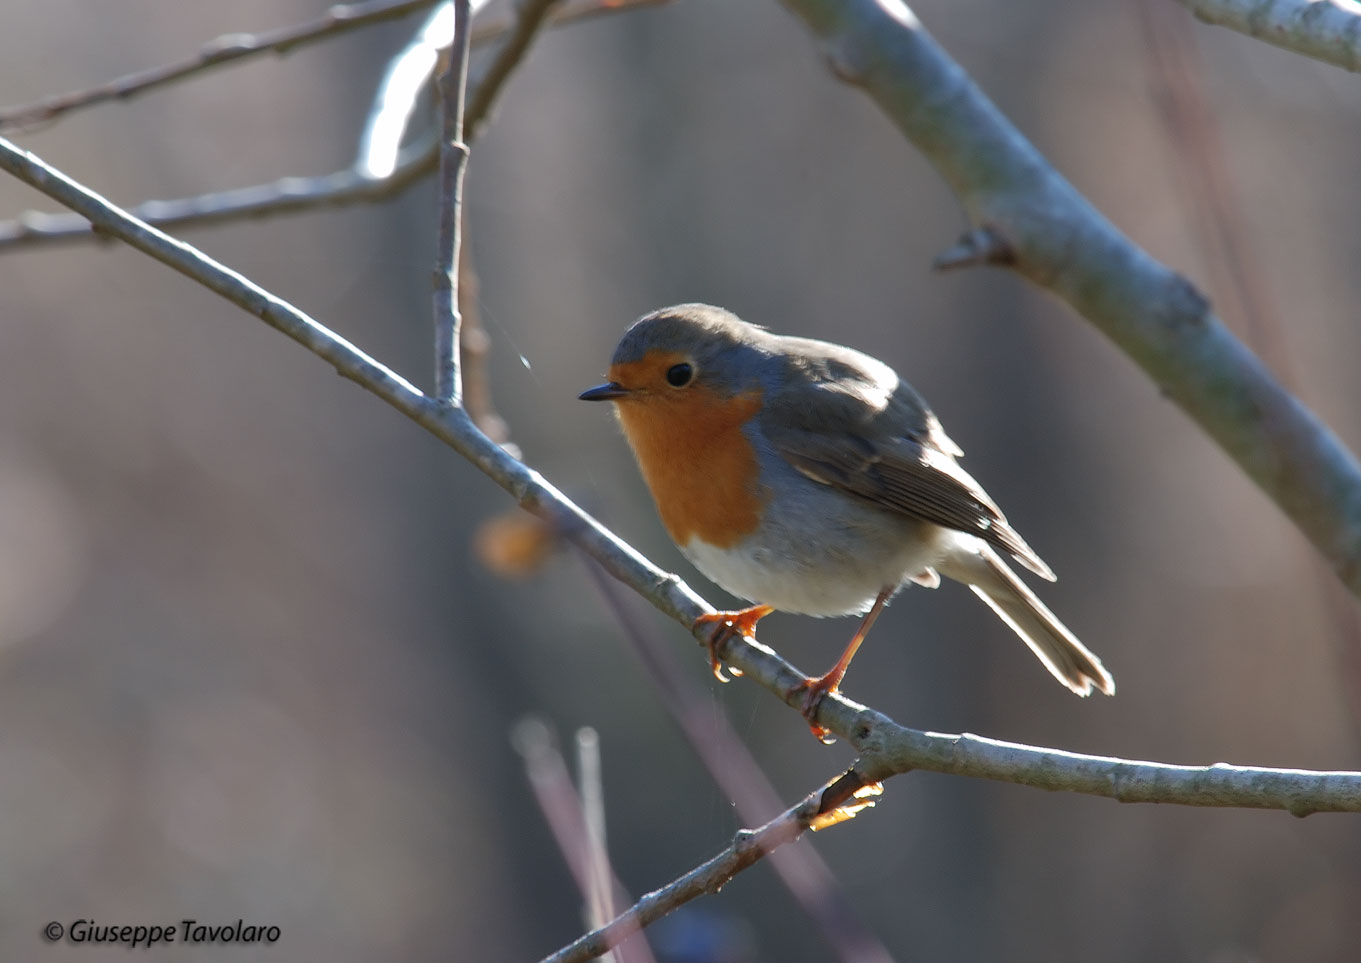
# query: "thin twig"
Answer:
x=232 y=47
x=225 y=49
x=453 y=162
x=885 y=746
x=1326 y=30
x=1060 y=242
x=289 y=195
x=285 y=196
x=745 y=851
x=564 y=811
x=531 y=17
x=601 y=901
x=569 y=11
x=740 y=777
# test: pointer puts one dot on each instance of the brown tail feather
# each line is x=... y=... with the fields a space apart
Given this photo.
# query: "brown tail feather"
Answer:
x=995 y=583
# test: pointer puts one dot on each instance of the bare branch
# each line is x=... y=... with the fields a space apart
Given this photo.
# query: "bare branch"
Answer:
x=284 y=196
x=532 y=14
x=566 y=813
x=1061 y=242
x=225 y=49
x=1327 y=30
x=453 y=162
x=746 y=850
x=232 y=47
x=493 y=27
x=288 y=195
x=886 y=747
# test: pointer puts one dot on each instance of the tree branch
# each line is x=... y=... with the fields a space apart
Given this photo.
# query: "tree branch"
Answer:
x=453 y=162
x=1327 y=30
x=746 y=850
x=225 y=49
x=566 y=812
x=885 y=746
x=288 y=195
x=231 y=47
x=1055 y=238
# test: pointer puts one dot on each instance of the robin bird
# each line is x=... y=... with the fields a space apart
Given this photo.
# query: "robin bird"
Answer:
x=808 y=477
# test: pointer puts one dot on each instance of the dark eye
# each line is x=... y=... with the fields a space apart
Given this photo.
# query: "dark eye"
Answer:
x=679 y=375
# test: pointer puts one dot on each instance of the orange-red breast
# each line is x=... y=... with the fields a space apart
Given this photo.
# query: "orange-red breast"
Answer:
x=808 y=477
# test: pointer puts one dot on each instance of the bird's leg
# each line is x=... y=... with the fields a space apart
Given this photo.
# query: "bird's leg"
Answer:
x=815 y=690
x=726 y=625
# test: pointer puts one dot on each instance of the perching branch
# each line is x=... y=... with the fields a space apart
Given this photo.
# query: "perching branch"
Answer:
x=1051 y=235
x=1327 y=30
x=885 y=746
x=745 y=851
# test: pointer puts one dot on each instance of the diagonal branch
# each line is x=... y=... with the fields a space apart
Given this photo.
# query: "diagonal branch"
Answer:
x=885 y=746
x=287 y=195
x=745 y=851
x=225 y=49
x=1053 y=236
x=1327 y=30
x=232 y=47
x=565 y=809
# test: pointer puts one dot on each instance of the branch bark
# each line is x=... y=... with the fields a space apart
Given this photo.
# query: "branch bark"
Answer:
x=453 y=162
x=1326 y=30
x=1055 y=238
x=885 y=746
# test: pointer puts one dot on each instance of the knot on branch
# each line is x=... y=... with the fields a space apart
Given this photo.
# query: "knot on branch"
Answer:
x=982 y=245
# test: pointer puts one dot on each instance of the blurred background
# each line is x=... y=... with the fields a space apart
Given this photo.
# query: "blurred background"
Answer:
x=252 y=667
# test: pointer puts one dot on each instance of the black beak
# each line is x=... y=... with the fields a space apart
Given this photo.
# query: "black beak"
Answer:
x=609 y=391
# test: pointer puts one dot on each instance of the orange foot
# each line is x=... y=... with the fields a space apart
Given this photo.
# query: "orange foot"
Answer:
x=814 y=691
x=726 y=625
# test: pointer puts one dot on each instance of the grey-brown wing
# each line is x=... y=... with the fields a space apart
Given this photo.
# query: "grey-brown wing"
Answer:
x=890 y=450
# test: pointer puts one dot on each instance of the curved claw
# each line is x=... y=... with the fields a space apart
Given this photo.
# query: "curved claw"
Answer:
x=726 y=625
x=814 y=691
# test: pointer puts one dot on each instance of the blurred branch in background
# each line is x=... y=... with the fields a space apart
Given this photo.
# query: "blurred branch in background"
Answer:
x=1030 y=217
x=1238 y=276
x=365 y=181
x=222 y=50
x=1327 y=30
x=567 y=814
x=839 y=800
x=231 y=47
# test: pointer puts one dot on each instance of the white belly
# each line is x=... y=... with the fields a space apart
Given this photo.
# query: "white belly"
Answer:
x=810 y=583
